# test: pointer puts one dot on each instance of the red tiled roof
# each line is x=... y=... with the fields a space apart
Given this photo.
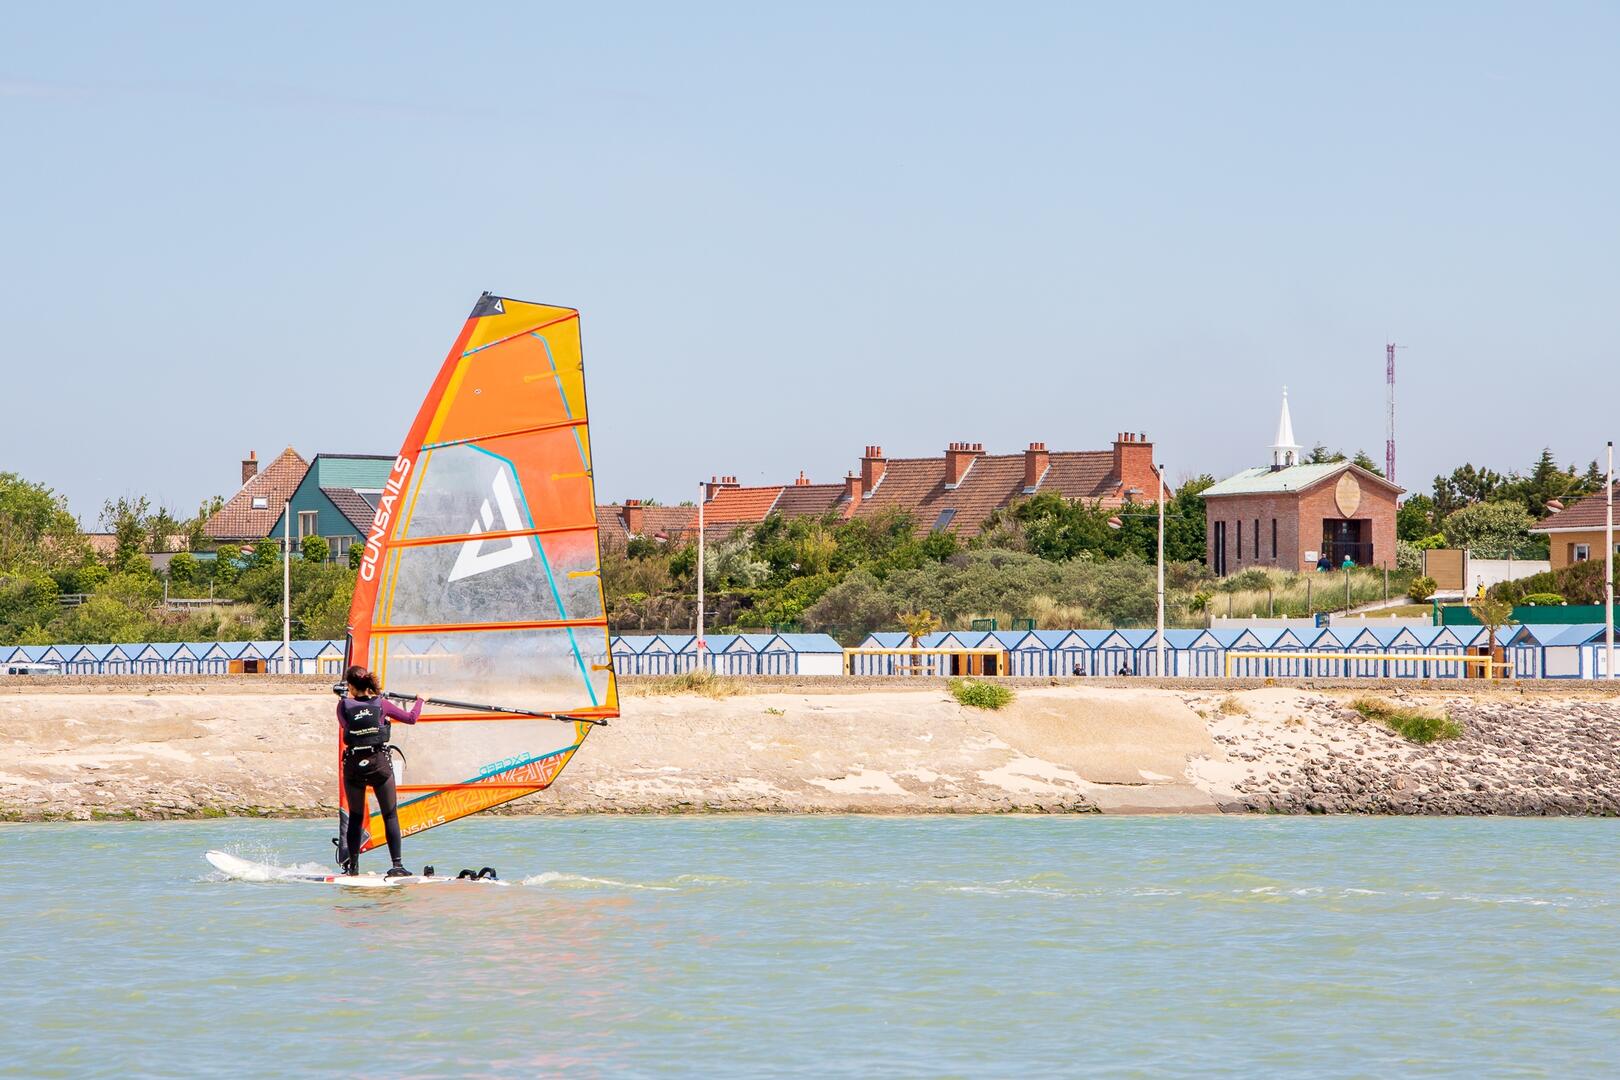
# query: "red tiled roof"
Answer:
x=1589 y=513
x=658 y=522
x=917 y=486
x=807 y=500
x=739 y=505
x=237 y=520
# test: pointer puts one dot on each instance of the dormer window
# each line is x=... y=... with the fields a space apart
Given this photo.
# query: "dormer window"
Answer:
x=261 y=502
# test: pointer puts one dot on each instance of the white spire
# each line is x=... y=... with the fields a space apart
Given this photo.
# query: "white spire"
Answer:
x=1284 y=451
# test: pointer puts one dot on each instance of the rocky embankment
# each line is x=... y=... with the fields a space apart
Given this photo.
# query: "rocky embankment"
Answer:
x=177 y=748
x=1517 y=754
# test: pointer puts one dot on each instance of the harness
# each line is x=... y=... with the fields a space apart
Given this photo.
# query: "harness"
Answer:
x=365 y=731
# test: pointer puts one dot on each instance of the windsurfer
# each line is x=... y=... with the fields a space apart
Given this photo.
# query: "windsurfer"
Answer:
x=363 y=718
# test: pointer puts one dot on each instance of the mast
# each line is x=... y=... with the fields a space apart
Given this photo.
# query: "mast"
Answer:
x=700 y=644
x=1158 y=648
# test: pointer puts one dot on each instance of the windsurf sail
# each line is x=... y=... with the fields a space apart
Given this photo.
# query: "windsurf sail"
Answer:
x=480 y=578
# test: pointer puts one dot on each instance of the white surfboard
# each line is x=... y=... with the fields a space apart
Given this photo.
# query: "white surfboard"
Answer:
x=242 y=869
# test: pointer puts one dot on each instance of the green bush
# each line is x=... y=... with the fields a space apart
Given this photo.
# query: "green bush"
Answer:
x=1542 y=599
x=1412 y=724
x=980 y=695
x=1422 y=589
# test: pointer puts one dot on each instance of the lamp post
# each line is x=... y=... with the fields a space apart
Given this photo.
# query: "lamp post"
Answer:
x=1608 y=567
x=286 y=588
x=1158 y=648
x=701 y=644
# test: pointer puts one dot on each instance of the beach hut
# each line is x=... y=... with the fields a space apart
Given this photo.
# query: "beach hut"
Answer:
x=212 y=657
x=1112 y=654
x=317 y=658
x=671 y=654
x=144 y=658
x=811 y=654
x=626 y=652
x=1027 y=654
x=1445 y=641
x=1234 y=643
x=1193 y=653
x=1361 y=639
x=1288 y=639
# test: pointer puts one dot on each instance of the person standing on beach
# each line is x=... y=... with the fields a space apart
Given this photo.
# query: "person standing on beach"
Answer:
x=363 y=718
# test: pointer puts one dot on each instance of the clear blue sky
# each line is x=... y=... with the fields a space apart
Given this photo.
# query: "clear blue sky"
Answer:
x=795 y=230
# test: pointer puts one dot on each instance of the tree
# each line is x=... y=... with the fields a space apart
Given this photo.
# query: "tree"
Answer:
x=357 y=555
x=314 y=549
x=1465 y=486
x=1361 y=459
x=184 y=569
x=1491 y=530
x=1415 y=518
x=1492 y=614
x=36 y=529
x=918 y=625
x=125 y=518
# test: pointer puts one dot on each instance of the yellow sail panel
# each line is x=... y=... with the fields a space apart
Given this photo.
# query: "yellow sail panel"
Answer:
x=481 y=578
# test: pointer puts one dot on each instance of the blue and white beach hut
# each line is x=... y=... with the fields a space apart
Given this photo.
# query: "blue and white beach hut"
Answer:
x=210 y=657
x=1235 y=642
x=1193 y=653
x=1027 y=654
x=144 y=658
x=626 y=652
x=1361 y=639
x=802 y=654
x=882 y=665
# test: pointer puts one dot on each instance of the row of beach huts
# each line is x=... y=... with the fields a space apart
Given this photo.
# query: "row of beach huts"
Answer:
x=1346 y=650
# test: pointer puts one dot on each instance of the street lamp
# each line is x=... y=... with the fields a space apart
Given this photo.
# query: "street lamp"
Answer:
x=700 y=644
x=1115 y=522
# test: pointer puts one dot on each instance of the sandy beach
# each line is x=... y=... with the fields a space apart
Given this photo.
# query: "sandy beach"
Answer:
x=186 y=748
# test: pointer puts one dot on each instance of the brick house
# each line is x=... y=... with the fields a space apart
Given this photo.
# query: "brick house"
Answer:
x=954 y=492
x=620 y=522
x=1295 y=516
x=253 y=511
x=1576 y=533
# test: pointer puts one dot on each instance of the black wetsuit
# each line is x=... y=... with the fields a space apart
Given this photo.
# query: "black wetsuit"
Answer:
x=366 y=764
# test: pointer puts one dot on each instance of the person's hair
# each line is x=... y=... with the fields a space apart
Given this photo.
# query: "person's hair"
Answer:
x=362 y=680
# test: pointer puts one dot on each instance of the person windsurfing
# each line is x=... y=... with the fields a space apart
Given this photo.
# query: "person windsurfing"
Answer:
x=363 y=718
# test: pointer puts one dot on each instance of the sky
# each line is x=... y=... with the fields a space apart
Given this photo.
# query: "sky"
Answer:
x=794 y=230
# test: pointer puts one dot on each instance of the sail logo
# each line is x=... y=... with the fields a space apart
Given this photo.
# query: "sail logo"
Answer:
x=479 y=556
x=384 y=515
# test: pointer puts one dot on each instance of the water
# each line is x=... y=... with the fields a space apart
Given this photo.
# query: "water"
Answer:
x=750 y=946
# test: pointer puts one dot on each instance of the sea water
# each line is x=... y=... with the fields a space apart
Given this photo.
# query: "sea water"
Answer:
x=829 y=946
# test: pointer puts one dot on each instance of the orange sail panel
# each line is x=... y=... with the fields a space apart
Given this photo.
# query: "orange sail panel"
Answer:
x=480 y=579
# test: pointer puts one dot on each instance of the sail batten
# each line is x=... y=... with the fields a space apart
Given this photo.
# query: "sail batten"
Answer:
x=481 y=573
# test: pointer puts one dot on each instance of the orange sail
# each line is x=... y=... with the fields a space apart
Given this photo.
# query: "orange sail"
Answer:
x=480 y=579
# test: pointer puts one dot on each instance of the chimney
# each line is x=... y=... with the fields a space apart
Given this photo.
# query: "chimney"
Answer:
x=959 y=459
x=250 y=466
x=873 y=466
x=852 y=494
x=1133 y=464
x=1036 y=460
x=634 y=517
x=802 y=481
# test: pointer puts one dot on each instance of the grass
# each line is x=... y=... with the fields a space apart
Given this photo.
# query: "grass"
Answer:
x=701 y=682
x=980 y=695
x=1284 y=594
x=1415 y=725
x=1231 y=706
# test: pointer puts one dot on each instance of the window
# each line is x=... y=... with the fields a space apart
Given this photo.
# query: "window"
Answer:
x=1239 y=531
x=944 y=518
x=309 y=523
x=261 y=502
x=1274 y=538
x=340 y=547
x=1580 y=552
x=1256 y=539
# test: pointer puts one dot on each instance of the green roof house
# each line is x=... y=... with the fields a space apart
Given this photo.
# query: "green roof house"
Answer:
x=336 y=500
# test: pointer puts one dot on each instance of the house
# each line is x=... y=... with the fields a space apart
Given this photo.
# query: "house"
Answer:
x=335 y=500
x=253 y=511
x=619 y=523
x=954 y=492
x=1576 y=534
x=1296 y=517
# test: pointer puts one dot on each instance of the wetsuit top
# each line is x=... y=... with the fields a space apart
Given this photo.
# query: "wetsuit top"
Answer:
x=364 y=721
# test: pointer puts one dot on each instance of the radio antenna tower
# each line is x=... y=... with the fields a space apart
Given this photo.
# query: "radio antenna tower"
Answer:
x=1389 y=440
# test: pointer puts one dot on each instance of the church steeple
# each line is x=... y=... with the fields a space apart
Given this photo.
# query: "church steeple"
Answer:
x=1284 y=451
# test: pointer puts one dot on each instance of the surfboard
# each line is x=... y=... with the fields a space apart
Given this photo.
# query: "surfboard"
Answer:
x=240 y=869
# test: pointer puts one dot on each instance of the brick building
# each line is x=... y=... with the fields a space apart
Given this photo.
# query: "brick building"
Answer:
x=956 y=491
x=1296 y=517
